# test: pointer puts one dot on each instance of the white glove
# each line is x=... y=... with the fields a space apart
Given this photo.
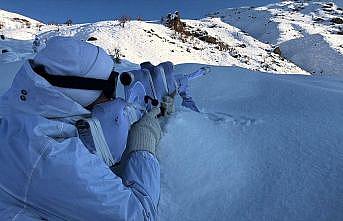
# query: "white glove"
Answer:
x=145 y=134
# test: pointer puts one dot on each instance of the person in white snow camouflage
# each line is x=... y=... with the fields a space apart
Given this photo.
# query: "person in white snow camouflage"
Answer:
x=47 y=173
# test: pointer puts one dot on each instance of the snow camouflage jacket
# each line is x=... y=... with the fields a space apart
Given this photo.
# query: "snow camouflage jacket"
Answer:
x=47 y=173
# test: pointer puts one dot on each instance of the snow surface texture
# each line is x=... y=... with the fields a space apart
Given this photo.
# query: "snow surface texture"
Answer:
x=314 y=54
x=19 y=32
x=264 y=147
x=18 y=26
x=304 y=30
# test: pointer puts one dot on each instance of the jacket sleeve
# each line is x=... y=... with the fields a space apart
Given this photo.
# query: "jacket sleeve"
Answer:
x=73 y=184
x=141 y=173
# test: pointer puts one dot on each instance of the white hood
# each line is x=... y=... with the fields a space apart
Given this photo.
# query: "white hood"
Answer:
x=30 y=93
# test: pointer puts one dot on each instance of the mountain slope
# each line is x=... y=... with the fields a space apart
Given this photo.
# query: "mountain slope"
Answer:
x=16 y=32
x=292 y=25
x=18 y=27
x=141 y=41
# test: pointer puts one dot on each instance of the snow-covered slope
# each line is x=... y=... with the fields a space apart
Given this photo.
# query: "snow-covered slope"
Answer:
x=18 y=32
x=17 y=26
x=141 y=41
x=309 y=33
x=264 y=147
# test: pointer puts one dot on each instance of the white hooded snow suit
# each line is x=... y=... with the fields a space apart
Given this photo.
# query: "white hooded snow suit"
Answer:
x=47 y=173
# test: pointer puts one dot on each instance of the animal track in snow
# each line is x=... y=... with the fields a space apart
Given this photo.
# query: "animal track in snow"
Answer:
x=221 y=117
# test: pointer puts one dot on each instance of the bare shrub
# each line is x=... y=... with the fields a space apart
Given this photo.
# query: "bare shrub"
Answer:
x=39 y=26
x=223 y=47
x=116 y=56
x=69 y=22
x=123 y=19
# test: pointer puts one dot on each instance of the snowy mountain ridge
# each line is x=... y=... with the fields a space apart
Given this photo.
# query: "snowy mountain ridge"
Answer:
x=304 y=34
x=308 y=31
x=140 y=41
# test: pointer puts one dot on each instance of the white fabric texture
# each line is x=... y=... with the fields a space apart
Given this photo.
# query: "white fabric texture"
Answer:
x=50 y=175
x=102 y=149
x=67 y=56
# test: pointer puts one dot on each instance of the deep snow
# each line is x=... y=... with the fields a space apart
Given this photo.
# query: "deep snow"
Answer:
x=264 y=147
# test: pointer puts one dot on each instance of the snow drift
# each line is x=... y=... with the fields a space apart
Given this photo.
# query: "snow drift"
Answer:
x=264 y=147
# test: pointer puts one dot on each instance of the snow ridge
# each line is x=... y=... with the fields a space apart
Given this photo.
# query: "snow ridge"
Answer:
x=309 y=33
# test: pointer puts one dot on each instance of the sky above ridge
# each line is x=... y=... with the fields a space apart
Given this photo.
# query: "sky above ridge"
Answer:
x=83 y=11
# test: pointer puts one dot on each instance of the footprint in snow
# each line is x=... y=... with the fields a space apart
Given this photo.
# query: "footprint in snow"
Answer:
x=224 y=118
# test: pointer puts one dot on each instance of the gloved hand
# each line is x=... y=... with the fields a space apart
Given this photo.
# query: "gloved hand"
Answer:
x=167 y=104
x=145 y=134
